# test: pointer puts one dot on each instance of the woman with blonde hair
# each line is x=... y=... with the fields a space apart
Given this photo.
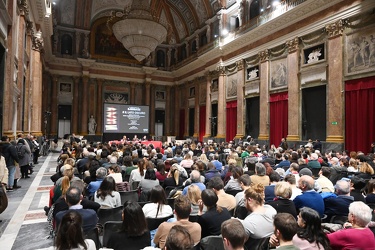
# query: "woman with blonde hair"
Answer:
x=187 y=162
x=194 y=195
x=282 y=202
x=203 y=158
x=353 y=166
x=365 y=170
x=173 y=178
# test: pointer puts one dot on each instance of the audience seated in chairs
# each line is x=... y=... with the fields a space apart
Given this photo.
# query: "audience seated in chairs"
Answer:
x=356 y=235
x=309 y=197
x=285 y=228
x=356 y=188
x=109 y=214
x=282 y=202
x=158 y=207
x=258 y=224
x=310 y=234
x=324 y=182
x=215 y=215
x=136 y=175
x=179 y=239
x=233 y=183
x=260 y=175
x=115 y=173
x=194 y=195
x=94 y=185
x=147 y=183
x=182 y=208
x=233 y=235
x=73 y=198
x=173 y=178
x=106 y=195
x=269 y=191
x=194 y=180
x=224 y=200
x=338 y=205
x=70 y=235
x=134 y=234
x=211 y=172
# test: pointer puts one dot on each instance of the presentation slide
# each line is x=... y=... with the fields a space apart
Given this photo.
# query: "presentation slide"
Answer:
x=123 y=118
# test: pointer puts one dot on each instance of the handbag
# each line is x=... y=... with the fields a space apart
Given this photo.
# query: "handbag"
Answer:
x=3 y=199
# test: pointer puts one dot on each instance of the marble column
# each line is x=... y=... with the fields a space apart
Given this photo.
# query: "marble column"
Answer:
x=147 y=93
x=240 y=99
x=294 y=104
x=99 y=106
x=264 y=96
x=84 y=104
x=36 y=115
x=132 y=93
x=221 y=105
x=75 y=119
x=208 y=104
x=185 y=96
x=335 y=88
x=177 y=121
x=54 y=103
x=168 y=114
x=152 y=110
x=196 y=109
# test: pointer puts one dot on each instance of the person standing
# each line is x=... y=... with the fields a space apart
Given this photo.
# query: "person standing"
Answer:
x=23 y=154
x=10 y=154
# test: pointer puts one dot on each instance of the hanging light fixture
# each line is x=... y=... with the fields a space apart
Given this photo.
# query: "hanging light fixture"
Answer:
x=139 y=29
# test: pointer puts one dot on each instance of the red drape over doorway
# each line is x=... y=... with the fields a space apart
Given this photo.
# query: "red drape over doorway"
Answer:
x=202 y=122
x=360 y=114
x=278 y=117
x=182 y=124
x=231 y=120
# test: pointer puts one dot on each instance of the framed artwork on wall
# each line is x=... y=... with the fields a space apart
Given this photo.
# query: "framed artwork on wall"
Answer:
x=65 y=87
x=159 y=95
x=231 y=86
x=122 y=98
x=360 y=51
x=278 y=74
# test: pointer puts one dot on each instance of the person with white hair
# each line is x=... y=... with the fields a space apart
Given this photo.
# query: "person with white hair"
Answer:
x=313 y=162
x=356 y=234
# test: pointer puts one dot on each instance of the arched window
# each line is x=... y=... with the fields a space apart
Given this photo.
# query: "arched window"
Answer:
x=160 y=58
x=194 y=46
x=183 y=53
x=66 y=45
x=254 y=9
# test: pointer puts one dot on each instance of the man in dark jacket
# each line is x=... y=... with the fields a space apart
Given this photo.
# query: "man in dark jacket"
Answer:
x=10 y=154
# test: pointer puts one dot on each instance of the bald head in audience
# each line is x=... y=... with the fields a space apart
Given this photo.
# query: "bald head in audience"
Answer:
x=306 y=183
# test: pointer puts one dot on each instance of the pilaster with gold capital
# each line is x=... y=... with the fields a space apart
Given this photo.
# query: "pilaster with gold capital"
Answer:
x=208 y=104
x=294 y=118
x=99 y=108
x=264 y=55
x=221 y=118
x=292 y=45
x=240 y=99
x=84 y=113
x=54 y=103
x=335 y=88
x=75 y=120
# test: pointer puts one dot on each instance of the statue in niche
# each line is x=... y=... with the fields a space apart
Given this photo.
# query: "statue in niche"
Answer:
x=92 y=125
x=253 y=74
x=314 y=55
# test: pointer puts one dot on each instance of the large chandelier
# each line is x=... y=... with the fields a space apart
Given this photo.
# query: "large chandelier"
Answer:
x=139 y=29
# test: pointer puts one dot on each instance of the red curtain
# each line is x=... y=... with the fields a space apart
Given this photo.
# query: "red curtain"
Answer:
x=182 y=124
x=202 y=122
x=231 y=120
x=278 y=117
x=360 y=114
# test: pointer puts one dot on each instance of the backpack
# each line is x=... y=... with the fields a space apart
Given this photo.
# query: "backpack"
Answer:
x=20 y=153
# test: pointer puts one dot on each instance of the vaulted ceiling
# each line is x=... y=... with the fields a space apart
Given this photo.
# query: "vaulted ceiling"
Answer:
x=184 y=16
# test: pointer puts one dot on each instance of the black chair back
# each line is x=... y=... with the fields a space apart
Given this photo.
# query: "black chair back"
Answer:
x=93 y=234
x=109 y=214
x=212 y=242
x=240 y=212
x=135 y=185
x=257 y=244
x=154 y=223
x=129 y=196
x=232 y=191
x=109 y=228
x=193 y=218
x=123 y=186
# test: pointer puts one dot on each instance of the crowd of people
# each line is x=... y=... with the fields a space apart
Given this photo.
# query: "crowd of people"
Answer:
x=289 y=198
